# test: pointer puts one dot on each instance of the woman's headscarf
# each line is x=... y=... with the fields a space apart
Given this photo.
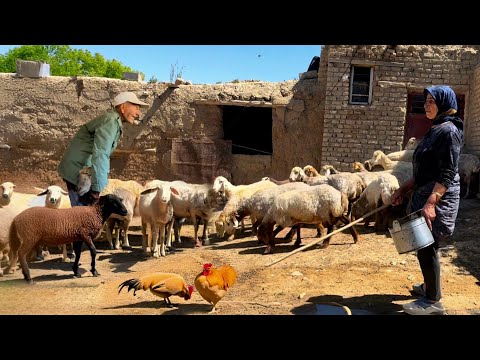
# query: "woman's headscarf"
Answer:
x=444 y=97
x=446 y=101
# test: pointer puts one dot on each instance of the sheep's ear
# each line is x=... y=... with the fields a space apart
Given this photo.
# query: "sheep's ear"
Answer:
x=39 y=189
x=148 y=191
x=13 y=185
x=43 y=193
x=64 y=192
x=175 y=191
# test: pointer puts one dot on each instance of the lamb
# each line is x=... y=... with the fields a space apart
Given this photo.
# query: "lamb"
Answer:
x=320 y=204
x=78 y=224
x=468 y=164
x=156 y=210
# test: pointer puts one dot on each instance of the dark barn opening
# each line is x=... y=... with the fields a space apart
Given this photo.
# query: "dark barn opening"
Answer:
x=249 y=129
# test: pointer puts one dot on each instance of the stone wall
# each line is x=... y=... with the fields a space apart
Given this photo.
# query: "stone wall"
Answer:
x=38 y=117
x=353 y=132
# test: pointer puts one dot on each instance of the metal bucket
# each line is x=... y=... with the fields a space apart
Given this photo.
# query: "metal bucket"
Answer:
x=412 y=234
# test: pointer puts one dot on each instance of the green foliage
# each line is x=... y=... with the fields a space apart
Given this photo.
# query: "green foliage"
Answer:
x=153 y=79
x=64 y=61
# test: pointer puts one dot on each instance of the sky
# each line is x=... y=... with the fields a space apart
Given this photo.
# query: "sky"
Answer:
x=209 y=64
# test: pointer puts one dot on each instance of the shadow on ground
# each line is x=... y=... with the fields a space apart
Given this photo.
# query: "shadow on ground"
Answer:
x=359 y=305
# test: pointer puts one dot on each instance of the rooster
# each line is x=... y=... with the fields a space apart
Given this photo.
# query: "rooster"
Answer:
x=160 y=284
x=212 y=284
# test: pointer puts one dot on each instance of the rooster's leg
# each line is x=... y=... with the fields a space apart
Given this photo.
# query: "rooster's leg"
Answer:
x=213 y=310
x=169 y=303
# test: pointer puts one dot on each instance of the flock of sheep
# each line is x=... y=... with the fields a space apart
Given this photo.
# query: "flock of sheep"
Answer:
x=307 y=197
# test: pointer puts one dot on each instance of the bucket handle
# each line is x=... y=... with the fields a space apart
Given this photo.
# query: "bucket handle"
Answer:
x=410 y=214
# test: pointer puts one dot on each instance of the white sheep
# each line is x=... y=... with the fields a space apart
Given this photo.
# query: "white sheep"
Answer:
x=402 y=155
x=468 y=164
x=328 y=170
x=412 y=144
x=222 y=223
x=7 y=191
x=195 y=201
x=349 y=183
x=378 y=192
x=379 y=158
x=129 y=199
x=156 y=211
x=78 y=224
x=320 y=204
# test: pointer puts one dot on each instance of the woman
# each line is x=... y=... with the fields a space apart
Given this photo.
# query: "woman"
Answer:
x=436 y=191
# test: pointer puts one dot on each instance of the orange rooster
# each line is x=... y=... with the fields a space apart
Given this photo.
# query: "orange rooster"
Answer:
x=212 y=284
x=160 y=284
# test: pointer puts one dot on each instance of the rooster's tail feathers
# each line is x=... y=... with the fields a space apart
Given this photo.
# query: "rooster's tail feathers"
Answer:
x=132 y=284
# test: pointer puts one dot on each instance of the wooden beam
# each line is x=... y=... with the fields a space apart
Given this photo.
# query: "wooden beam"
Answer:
x=234 y=103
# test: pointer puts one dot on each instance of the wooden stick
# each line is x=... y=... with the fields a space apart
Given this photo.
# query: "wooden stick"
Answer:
x=384 y=206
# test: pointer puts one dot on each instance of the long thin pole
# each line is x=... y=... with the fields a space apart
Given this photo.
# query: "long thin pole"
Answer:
x=384 y=206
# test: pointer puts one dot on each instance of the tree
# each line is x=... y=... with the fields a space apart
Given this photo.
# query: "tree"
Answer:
x=64 y=61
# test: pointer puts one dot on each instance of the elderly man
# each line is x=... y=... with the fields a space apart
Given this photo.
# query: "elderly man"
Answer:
x=92 y=146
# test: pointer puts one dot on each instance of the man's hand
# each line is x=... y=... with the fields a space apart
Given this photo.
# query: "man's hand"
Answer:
x=91 y=197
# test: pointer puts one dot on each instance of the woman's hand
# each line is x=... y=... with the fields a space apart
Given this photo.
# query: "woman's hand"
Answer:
x=428 y=210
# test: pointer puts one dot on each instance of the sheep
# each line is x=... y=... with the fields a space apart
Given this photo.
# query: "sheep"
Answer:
x=195 y=201
x=412 y=144
x=468 y=164
x=60 y=226
x=235 y=201
x=8 y=211
x=328 y=170
x=55 y=200
x=156 y=210
x=309 y=170
x=7 y=191
x=403 y=155
x=378 y=192
x=129 y=199
x=379 y=158
x=320 y=204
x=276 y=182
x=259 y=203
x=297 y=174
x=349 y=183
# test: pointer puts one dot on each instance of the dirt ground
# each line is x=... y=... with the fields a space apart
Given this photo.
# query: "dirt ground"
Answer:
x=369 y=277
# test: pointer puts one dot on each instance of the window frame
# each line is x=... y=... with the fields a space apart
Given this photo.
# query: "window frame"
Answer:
x=370 y=86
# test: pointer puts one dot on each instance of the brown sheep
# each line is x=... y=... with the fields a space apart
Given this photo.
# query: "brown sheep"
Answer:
x=40 y=225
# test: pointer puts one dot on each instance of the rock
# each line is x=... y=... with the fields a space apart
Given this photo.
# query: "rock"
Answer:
x=296 y=273
x=302 y=295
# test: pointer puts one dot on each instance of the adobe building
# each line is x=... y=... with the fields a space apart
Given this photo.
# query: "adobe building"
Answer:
x=362 y=98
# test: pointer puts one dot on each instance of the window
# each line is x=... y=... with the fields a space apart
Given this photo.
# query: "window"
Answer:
x=361 y=85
